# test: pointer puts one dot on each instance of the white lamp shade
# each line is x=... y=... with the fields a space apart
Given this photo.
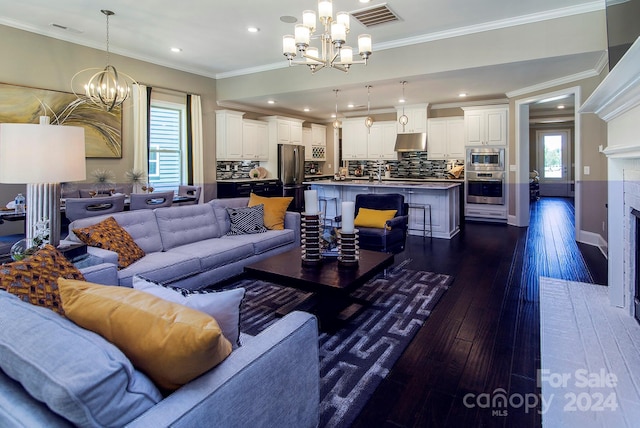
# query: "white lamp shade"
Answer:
x=314 y=53
x=364 y=43
x=343 y=18
x=31 y=153
x=289 y=44
x=302 y=34
x=346 y=55
x=338 y=32
x=309 y=19
x=325 y=9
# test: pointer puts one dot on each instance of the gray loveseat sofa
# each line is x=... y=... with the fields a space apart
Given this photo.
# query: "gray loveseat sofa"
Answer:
x=187 y=246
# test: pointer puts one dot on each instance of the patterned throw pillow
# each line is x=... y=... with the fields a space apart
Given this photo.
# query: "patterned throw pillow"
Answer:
x=34 y=279
x=246 y=220
x=109 y=235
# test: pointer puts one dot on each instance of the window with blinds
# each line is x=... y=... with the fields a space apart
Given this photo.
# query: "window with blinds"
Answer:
x=166 y=148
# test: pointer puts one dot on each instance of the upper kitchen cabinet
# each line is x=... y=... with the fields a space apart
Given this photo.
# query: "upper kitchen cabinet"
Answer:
x=255 y=140
x=445 y=139
x=318 y=135
x=382 y=141
x=284 y=130
x=229 y=135
x=318 y=142
x=417 y=118
x=486 y=126
x=354 y=139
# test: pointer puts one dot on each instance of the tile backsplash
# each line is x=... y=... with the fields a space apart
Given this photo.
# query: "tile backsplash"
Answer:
x=226 y=170
x=410 y=165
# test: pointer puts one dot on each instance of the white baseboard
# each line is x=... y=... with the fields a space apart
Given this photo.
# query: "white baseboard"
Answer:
x=595 y=239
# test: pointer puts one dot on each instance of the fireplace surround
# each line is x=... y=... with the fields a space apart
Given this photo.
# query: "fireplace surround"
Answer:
x=617 y=101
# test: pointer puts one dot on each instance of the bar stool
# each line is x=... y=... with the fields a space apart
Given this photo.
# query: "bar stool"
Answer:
x=323 y=207
x=425 y=208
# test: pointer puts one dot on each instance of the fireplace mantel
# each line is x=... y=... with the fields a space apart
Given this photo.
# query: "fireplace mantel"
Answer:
x=619 y=92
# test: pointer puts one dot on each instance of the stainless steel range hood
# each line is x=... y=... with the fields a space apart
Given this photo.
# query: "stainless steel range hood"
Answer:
x=411 y=142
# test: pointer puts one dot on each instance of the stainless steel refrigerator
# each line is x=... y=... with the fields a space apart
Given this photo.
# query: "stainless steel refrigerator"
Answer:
x=291 y=173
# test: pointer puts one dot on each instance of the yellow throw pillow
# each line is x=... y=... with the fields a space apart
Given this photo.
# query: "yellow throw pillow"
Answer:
x=109 y=235
x=171 y=343
x=373 y=218
x=275 y=209
x=34 y=278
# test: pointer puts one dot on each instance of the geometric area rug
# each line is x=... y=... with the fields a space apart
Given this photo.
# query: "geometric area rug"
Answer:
x=357 y=357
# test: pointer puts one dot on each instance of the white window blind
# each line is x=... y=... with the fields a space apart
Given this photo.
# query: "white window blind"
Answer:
x=166 y=151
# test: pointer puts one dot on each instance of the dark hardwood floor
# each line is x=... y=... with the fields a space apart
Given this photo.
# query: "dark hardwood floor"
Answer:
x=484 y=334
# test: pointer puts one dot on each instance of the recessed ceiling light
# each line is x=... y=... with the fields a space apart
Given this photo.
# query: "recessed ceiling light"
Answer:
x=462 y=94
x=253 y=29
x=401 y=100
x=333 y=115
x=271 y=102
x=307 y=109
x=365 y=1
x=560 y=106
x=176 y=50
x=350 y=105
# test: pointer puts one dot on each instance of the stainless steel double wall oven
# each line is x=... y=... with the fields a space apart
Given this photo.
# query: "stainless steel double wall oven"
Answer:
x=485 y=175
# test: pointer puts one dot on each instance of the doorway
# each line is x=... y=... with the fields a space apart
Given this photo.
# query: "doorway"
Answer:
x=553 y=163
x=525 y=152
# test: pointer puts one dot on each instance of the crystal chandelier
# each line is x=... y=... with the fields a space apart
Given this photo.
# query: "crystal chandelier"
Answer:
x=333 y=41
x=106 y=88
x=403 y=119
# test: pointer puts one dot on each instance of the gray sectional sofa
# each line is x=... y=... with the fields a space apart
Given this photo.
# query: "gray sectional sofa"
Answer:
x=187 y=246
x=272 y=380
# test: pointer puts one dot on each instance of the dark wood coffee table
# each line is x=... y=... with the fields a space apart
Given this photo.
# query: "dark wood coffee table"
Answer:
x=327 y=286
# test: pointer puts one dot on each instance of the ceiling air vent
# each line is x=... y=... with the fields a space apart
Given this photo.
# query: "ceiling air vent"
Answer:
x=375 y=15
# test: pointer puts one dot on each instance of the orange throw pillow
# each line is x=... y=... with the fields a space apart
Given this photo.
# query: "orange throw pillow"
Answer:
x=109 y=235
x=34 y=279
x=275 y=209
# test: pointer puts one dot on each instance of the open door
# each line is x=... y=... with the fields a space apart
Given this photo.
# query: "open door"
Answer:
x=553 y=163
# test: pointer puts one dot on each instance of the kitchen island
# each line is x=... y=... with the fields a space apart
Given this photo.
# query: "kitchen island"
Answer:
x=443 y=196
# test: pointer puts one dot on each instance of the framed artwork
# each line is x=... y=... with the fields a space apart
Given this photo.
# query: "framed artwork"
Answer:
x=102 y=129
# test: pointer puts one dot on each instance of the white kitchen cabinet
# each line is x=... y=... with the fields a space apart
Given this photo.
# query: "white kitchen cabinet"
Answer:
x=382 y=141
x=306 y=142
x=445 y=138
x=417 y=115
x=486 y=126
x=255 y=140
x=318 y=135
x=318 y=142
x=354 y=139
x=284 y=130
x=229 y=141
x=485 y=212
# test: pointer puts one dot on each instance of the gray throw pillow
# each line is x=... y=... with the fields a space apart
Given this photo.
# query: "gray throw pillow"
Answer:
x=246 y=220
x=223 y=305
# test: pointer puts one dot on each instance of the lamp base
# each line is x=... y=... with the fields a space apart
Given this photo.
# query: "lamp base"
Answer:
x=43 y=204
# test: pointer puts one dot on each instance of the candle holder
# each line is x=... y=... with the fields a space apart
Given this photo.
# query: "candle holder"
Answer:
x=310 y=232
x=348 y=249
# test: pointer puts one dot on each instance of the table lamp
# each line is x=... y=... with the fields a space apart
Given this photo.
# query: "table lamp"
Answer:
x=42 y=156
